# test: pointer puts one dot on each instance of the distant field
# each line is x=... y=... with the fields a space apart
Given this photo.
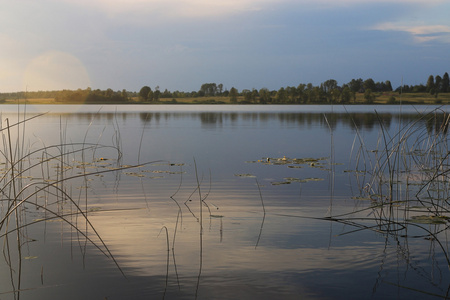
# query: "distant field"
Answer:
x=381 y=98
x=416 y=98
x=31 y=101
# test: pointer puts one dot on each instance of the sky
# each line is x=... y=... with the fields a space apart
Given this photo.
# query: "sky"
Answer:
x=246 y=44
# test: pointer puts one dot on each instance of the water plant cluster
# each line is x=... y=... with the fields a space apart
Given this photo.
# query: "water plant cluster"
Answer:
x=405 y=182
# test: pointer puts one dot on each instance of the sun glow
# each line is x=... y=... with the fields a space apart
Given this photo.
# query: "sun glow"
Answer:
x=55 y=70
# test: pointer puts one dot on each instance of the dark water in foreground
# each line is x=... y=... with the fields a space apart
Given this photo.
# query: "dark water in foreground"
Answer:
x=277 y=184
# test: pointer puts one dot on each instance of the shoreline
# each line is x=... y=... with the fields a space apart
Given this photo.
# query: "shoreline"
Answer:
x=381 y=99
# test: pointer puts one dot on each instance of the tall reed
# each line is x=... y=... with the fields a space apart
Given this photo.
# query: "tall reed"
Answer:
x=41 y=178
x=408 y=184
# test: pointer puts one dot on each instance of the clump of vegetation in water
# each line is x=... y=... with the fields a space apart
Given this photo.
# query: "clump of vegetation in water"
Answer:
x=407 y=180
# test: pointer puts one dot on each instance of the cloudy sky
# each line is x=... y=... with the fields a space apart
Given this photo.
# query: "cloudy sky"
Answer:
x=180 y=44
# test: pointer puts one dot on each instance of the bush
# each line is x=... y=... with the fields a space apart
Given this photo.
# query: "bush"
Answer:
x=391 y=100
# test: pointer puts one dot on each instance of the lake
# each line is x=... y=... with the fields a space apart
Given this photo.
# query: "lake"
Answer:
x=224 y=202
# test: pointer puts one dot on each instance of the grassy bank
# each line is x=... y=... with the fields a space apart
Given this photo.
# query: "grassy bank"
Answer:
x=380 y=98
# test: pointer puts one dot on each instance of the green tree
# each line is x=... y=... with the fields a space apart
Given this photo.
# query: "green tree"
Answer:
x=282 y=95
x=233 y=94
x=445 y=83
x=301 y=95
x=335 y=95
x=209 y=89
x=329 y=85
x=264 y=96
x=255 y=94
x=124 y=94
x=151 y=96
x=430 y=83
x=292 y=94
x=369 y=84
x=388 y=86
x=438 y=83
x=316 y=95
x=166 y=94
x=143 y=93
x=355 y=85
x=369 y=96
x=247 y=95
x=346 y=95
x=156 y=94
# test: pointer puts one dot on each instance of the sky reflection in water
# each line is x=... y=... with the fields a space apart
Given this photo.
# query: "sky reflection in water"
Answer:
x=284 y=249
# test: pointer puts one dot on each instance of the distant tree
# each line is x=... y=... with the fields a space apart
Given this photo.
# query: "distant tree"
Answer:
x=156 y=94
x=329 y=85
x=143 y=93
x=124 y=94
x=335 y=95
x=220 y=87
x=356 y=85
x=369 y=96
x=346 y=95
x=430 y=83
x=438 y=83
x=151 y=96
x=264 y=96
x=209 y=89
x=291 y=93
x=369 y=84
x=247 y=95
x=301 y=96
x=388 y=86
x=445 y=83
x=233 y=94
x=166 y=94
x=109 y=93
x=316 y=95
x=282 y=95
x=416 y=89
x=255 y=95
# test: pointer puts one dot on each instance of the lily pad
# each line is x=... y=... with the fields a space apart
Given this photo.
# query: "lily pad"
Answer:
x=361 y=198
x=292 y=179
x=280 y=182
x=30 y=257
x=245 y=175
x=312 y=179
x=424 y=219
x=134 y=174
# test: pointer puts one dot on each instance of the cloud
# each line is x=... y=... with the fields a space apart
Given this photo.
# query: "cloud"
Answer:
x=420 y=33
x=161 y=12
x=174 y=8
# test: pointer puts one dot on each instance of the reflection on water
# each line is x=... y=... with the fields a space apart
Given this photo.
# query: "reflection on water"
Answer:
x=236 y=204
x=364 y=121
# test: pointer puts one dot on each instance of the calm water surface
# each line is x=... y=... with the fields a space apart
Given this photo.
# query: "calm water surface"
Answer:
x=270 y=178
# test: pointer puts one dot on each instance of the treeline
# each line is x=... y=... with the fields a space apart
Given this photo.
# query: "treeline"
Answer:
x=75 y=96
x=327 y=92
x=93 y=96
x=434 y=86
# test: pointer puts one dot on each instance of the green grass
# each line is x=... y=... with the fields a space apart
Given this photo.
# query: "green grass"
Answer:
x=381 y=98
